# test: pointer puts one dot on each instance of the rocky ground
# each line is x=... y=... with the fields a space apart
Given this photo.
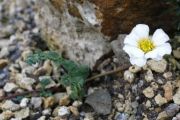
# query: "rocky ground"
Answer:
x=148 y=93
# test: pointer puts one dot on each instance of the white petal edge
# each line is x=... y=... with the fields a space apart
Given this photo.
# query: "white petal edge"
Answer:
x=133 y=51
x=141 y=30
x=131 y=39
x=159 y=52
x=159 y=37
x=138 y=61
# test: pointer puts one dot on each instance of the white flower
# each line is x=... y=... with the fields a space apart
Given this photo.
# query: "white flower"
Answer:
x=140 y=46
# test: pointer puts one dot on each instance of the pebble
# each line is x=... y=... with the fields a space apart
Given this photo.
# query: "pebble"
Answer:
x=23 y=113
x=24 y=102
x=48 y=102
x=157 y=66
x=6 y=115
x=149 y=76
x=168 y=91
x=119 y=106
x=63 y=111
x=167 y=75
x=4 y=52
x=148 y=103
x=26 y=83
x=42 y=118
x=172 y=109
x=176 y=53
x=74 y=110
x=58 y=96
x=64 y=101
x=77 y=104
x=10 y=87
x=162 y=116
x=9 y=105
x=148 y=92
x=3 y=63
x=89 y=116
x=176 y=97
x=134 y=69
x=129 y=76
x=47 y=112
x=2 y=93
x=160 y=100
x=36 y=102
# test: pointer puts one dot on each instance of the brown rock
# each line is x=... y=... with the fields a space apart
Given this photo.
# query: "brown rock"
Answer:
x=168 y=91
x=3 y=63
x=48 y=102
x=64 y=101
x=74 y=110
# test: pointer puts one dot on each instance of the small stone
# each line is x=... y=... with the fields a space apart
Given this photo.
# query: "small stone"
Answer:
x=154 y=85
x=64 y=101
x=168 y=91
x=63 y=111
x=121 y=116
x=6 y=115
x=167 y=75
x=59 y=96
x=42 y=118
x=148 y=104
x=4 y=52
x=149 y=76
x=157 y=66
x=160 y=100
x=77 y=104
x=47 y=112
x=10 y=87
x=172 y=109
x=74 y=110
x=148 y=92
x=176 y=53
x=176 y=97
x=25 y=54
x=48 y=102
x=2 y=93
x=119 y=106
x=89 y=116
x=135 y=69
x=36 y=102
x=26 y=83
x=162 y=116
x=9 y=105
x=55 y=111
x=128 y=76
x=3 y=63
x=23 y=113
x=100 y=100
x=24 y=102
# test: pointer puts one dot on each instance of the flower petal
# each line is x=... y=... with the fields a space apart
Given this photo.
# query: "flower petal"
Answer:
x=159 y=52
x=141 y=30
x=131 y=39
x=133 y=51
x=138 y=61
x=159 y=37
x=138 y=32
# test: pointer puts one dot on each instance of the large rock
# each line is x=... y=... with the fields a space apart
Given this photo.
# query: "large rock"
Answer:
x=83 y=29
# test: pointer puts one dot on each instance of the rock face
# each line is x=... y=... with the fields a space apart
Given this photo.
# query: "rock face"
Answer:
x=82 y=29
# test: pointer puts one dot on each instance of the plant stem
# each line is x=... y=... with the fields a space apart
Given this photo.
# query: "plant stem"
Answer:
x=107 y=73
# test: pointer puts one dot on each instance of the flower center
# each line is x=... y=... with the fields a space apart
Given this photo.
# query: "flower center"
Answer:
x=146 y=45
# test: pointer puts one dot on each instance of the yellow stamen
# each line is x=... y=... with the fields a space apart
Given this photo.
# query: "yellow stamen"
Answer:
x=146 y=45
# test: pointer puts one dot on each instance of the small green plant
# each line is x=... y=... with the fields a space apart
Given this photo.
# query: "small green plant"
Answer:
x=44 y=92
x=75 y=74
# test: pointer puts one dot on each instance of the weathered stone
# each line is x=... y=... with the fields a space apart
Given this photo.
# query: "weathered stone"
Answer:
x=129 y=76
x=23 y=113
x=6 y=115
x=9 y=87
x=157 y=66
x=117 y=46
x=101 y=101
x=148 y=92
x=168 y=91
x=176 y=97
x=160 y=100
x=9 y=105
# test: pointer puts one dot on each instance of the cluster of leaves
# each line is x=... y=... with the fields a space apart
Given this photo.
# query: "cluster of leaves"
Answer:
x=75 y=74
x=43 y=84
